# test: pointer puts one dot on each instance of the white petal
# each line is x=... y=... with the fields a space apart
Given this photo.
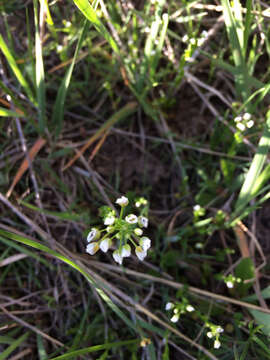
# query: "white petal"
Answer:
x=109 y=220
x=125 y=251
x=145 y=243
x=209 y=334
x=220 y=329
x=169 y=306
x=190 y=308
x=131 y=219
x=141 y=254
x=92 y=234
x=92 y=248
x=143 y=221
x=122 y=201
x=175 y=318
x=247 y=116
x=229 y=284
x=104 y=245
x=217 y=344
x=117 y=257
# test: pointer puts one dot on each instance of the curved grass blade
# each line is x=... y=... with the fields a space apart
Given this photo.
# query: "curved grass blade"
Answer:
x=95 y=348
x=88 y=11
x=14 y=67
x=58 y=109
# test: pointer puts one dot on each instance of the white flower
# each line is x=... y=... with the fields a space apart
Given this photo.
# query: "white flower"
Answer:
x=122 y=201
x=249 y=124
x=138 y=231
x=141 y=201
x=143 y=221
x=229 y=284
x=196 y=207
x=105 y=244
x=209 y=334
x=131 y=219
x=190 y=308
x=125 y=251
x=217 y=344
x=145 y=243
x=185 y=38
x=219 y=329
x=117 y=257
x=238 y=119
x=247 y=116
x=169 y=306
x=92 y=248
x=141 y=254
x=93 y=235
x=109 y=220
x=175 y=318
x=240 y=126
x=198 y=245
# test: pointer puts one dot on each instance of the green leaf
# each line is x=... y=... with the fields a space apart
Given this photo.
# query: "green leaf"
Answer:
x=85 y=7
x=262 y=319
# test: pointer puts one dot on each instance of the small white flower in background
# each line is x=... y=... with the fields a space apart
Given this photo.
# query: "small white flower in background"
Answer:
x=131 y=219
x=126 y=251
x=229 y=284
x=238 y=119
x=219 y=329
x=92 y=248
x=143 y=221
x=141 y=201
x=105 y=244
x=240 y=126
x=185 y=38
x=109 y=220
x=196 y=207
x=138 y=231
x=93 y=235
x=217 y=344
x=190 y=308
x=145 y=243
x=209 y=334
x=198 y=245
x=169 y=306
x=175 y=318
x=117 y=257
x=122 y=201
x=249 y=124
x=141 y=254
x=247 y=116
x=192 y=41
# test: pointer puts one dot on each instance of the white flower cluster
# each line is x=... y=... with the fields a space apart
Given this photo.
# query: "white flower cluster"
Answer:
x=178 y=309
x=123 y=230
x=243 y=122
x=230 y=280
x=215 y=331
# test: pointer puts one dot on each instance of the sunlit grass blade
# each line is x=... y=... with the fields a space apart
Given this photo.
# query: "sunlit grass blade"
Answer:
x=88 y=11
x=5 y=112
x=58 y=109
x=40 y=76
x=235 y=30
x=17 y=72
x=5 y=354
x=255 y=169
x=95 y=348
x=41 y=349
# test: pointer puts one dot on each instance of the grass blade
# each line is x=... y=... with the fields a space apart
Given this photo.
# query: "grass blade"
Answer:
x=255 y=169
x=4 y=355
x=58 y=109
x=14 y=67
x=40 y=77
x=5 y=112
x=88 y=11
